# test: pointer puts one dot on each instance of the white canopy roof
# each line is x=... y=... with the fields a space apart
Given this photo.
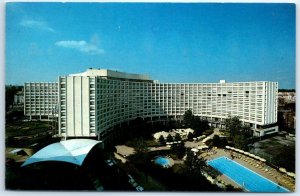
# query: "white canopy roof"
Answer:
x=72 y=151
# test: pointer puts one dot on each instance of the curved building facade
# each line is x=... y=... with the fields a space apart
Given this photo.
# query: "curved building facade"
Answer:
x=93 y=102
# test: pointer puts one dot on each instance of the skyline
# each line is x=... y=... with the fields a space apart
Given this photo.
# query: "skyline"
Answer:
x=171 y=42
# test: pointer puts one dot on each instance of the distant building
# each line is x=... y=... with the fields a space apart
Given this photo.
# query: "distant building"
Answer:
x=41 y=100
x=287 y=97
x=286 y=110
x=19 y=98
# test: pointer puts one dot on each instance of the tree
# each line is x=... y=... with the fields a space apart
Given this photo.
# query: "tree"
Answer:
x=239 y=134
x=233 y=125
x=247 y=131
x=199 y=126
x=169 y=138
x=161 y=139
x=177 y=137
x=194 y=164
x=188 y=118
x=178 y=150
x=286 y=158
x=240 y=141
x=190 y=136
x=216 y=141
x=140 y=145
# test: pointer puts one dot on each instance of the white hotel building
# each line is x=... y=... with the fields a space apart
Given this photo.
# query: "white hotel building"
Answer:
x=93 y=102
x=40 y=100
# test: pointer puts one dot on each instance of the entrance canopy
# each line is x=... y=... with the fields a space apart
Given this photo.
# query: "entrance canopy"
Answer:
x=71 y=151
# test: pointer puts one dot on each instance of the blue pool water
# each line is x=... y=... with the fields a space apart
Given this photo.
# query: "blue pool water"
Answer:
x=162 y=161
x=245 y=177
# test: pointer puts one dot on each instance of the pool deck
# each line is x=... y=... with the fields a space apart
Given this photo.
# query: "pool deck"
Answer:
x=256 y=166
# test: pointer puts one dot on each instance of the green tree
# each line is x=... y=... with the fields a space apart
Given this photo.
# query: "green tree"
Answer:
x=194 y=164
x=240 y=141
x=286 y=158
x=177 y=137
x=169 y=138
x=240 y=135
x=140 y=145
x=178 y=150
x=161 y=139
x=188 y=118
x=216 y=141
x=247 y=131
x=190 y=136
x=199 y=126
x=233 y=125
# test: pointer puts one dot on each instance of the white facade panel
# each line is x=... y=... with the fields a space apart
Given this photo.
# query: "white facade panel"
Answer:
x=85 y=107
x=78 y=106
x=70 y=117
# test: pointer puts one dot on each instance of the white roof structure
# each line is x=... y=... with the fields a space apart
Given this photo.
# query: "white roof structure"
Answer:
x=112 y=74
x=71 y=151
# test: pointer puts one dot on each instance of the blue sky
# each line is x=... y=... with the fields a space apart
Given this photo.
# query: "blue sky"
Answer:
x=188 y=42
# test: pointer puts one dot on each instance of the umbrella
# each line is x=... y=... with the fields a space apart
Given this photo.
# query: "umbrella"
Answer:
x=194 y=150
x=210 y=178
x=263 y=160
x=256 y=157
x=291 y=174
x=282 y=170
x=228 y=147
x=246 y=153
x=252 y=155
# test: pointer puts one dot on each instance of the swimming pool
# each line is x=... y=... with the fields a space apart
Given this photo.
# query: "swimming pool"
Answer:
x=245 y=177
x=163 y=161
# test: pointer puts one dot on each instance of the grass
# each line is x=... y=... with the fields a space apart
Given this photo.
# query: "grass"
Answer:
x=26 y=128
x=21 y=134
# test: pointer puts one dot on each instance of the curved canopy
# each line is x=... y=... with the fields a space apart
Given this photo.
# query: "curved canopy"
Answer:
x=72 y=151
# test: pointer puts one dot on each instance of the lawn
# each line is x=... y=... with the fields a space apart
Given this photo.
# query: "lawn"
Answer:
x=21 y=134
x=20 y=128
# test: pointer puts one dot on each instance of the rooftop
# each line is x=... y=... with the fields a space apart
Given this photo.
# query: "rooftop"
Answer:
x=112 y=74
